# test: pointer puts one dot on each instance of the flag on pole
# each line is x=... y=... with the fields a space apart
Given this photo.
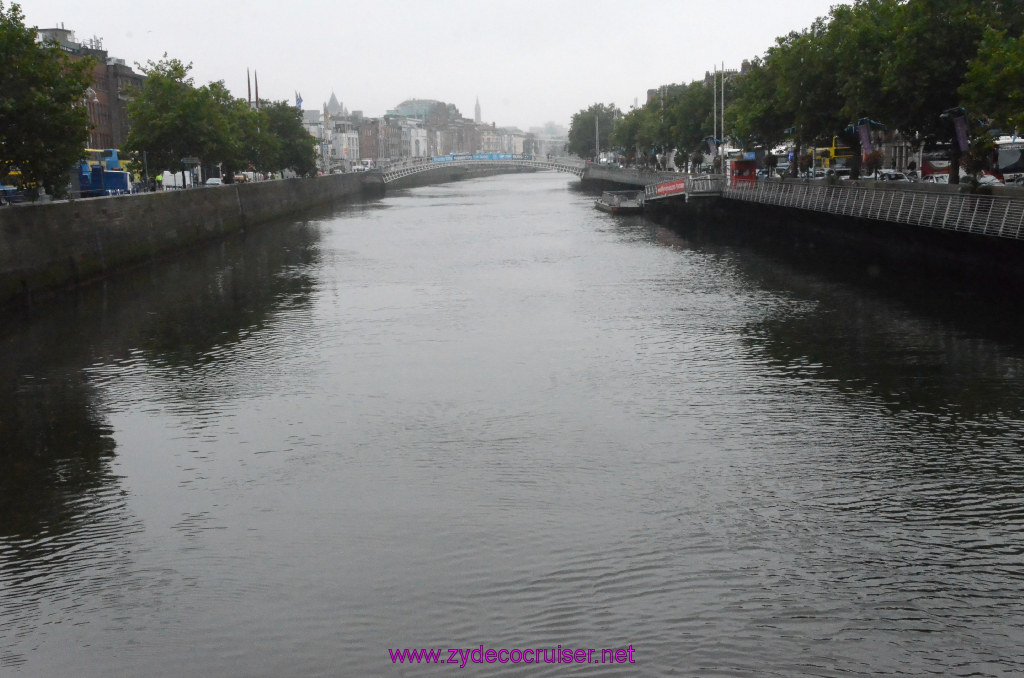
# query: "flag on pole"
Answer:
x=298 y=100
x=864 y=131
x=960 y=127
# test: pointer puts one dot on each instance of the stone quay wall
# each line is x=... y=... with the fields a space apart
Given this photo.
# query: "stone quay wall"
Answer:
x=46 y=247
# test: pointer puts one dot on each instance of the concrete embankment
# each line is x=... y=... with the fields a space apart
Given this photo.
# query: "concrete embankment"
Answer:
x=50 y=246
x=878 y=246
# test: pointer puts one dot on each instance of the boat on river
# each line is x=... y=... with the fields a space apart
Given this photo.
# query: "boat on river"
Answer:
x=621 y=202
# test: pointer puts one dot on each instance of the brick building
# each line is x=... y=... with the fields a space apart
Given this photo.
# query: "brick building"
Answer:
x=107 y=96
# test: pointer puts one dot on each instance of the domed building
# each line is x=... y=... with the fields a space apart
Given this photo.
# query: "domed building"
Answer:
x=430 y=111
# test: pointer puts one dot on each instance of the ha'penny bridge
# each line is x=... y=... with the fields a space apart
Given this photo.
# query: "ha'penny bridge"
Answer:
x=484 y=160
x=999 y=215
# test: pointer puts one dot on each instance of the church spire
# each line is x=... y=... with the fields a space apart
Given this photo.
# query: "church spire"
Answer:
x=476 y=116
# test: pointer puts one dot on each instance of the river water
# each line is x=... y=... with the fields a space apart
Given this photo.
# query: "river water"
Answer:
x=486 y=414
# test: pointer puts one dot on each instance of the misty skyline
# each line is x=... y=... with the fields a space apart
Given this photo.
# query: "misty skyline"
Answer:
x=529 y=62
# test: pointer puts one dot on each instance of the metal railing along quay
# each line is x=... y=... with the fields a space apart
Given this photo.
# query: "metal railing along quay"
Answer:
x=990 y=215
x=691 y=185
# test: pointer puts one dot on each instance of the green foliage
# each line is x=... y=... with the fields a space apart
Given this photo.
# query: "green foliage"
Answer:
x=680 y=117
x=807 y=83
x=980 y=155
x=925 y=65
x=582 y=133
x=902 y=62
x=172 y=119
x=687 y=120
x=858 y=37
x=296 y=149
x=757 y=111
x=44 y=121
x=167 y=116
x=637 y=132
x=994 y=86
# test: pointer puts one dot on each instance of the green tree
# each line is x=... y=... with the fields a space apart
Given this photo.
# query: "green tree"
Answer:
x=583 y=136
x=165 y=116
x=44 y=121
x=636 y=133
x=860 y=37
x=296 y=148
x=808 y=83
x=925 y=65
x=626 y=133
x=688 y=115
x=994 y=85
x=171 y=120
x=221 y=121
x=757 y=110
x=901 y=62
x=680 y=118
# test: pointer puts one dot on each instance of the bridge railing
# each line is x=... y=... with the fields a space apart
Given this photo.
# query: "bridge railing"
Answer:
x=998 y=216
x=709 y=184
x=394 y=172
x=672 y=184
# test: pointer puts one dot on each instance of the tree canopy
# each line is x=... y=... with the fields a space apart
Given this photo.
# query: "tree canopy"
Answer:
x=172 y=119
x=994 y=86
x=44 y=122
x=584 y=135
x=900 y=62
x=296 y=149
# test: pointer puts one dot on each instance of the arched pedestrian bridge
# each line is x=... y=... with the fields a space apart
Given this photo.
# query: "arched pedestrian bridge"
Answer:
x=396 y=172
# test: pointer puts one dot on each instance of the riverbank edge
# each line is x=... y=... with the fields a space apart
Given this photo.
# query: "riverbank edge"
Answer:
x=979 y=262
x=50 y=248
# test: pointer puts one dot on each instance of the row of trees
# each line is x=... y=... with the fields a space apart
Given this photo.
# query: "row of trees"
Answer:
x=44 y=121
x=900 y=62
x=172 y=119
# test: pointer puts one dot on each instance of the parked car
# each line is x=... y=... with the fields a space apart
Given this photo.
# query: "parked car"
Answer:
x=841 y=173
x=10 y=195
x=214 y=181
x=892 y=175
x=984 y=179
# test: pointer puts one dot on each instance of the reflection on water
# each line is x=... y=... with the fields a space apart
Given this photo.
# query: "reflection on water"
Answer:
x=180 y=314
x=485 y=413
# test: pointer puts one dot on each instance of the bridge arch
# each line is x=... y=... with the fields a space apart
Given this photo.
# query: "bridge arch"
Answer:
x=482 y=160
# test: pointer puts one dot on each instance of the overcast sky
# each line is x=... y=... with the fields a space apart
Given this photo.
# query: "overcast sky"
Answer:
x=528 y=61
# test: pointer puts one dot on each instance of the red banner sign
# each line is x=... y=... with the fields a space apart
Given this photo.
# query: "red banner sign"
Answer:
x=672 y=187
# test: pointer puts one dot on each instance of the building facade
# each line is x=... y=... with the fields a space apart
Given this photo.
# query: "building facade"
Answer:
x=109 y=92
x=415 y=128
